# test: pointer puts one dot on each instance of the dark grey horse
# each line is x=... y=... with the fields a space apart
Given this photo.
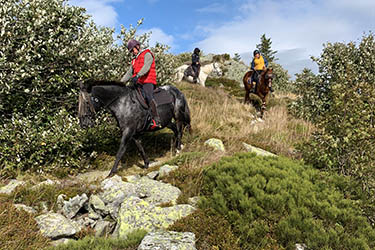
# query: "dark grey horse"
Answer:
x=132 y=118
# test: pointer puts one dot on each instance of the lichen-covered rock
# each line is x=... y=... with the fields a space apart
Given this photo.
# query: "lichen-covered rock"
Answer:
x=140 y=214
x=103 y=228
x=215 y=144
x=166 y=169
x=258 y=151
x=54 y=226
x=167 y=240
x=12 y=185
x=157 y=192
x=25 y=208
x=92 y=176
x=71 y=207
x=46 y=183
x=115 y=190
x=194 y=201
x=153 y=175
x=97 y=205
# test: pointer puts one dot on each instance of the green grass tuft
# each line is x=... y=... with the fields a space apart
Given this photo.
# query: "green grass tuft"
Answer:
x=91 y=243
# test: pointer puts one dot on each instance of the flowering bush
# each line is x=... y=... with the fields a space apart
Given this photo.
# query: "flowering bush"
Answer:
x=342 y=98
x=46 y=48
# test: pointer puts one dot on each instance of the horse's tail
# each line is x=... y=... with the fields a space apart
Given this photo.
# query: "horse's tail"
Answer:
x=182 y=110
x=187 y=118
x=185 y=113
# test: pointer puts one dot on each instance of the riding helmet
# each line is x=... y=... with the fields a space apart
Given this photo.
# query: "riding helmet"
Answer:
x=132 y=43
x=256 y=52
x=196 y=51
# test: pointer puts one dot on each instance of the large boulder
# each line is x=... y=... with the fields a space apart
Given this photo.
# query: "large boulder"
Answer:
x=55 y=226
x=166 y=240
x=157 y=192
x=136 y=213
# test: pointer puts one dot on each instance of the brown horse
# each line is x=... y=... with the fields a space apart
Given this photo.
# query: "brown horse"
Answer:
x=263 y=88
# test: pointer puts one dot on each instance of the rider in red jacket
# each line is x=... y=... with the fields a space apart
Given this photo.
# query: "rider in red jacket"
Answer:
x=142 y=73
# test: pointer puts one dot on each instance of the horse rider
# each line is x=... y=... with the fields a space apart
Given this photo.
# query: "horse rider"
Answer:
x=195 y=64
x=258 y=64
x=142 y=73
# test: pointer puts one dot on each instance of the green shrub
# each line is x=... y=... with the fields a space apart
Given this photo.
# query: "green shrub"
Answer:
x=268 y=200
x=47 y=47
x=31 y=143
x=281 y=81
x=343 y=100
x=308 y=105
x=211 y=230
x=55 y=144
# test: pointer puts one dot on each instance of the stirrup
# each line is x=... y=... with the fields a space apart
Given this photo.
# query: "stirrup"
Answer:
x=154 y=124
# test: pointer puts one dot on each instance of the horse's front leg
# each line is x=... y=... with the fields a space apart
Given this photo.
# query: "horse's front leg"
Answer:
x=141 y=149
x=126 y=136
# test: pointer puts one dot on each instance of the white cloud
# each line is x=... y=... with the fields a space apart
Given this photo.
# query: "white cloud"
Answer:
x=213 y=8
x=102 y=12
x=158 y=35
x=291 y=24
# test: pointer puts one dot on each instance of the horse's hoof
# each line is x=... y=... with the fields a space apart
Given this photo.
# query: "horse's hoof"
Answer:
x=178 y=152
x=111 y=174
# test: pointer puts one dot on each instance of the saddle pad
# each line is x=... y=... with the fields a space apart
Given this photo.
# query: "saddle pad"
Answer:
x=162 y=97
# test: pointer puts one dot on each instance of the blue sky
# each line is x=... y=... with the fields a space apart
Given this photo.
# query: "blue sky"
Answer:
x=298 y=29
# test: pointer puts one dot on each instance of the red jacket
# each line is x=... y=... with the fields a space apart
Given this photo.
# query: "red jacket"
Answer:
x=138 y=62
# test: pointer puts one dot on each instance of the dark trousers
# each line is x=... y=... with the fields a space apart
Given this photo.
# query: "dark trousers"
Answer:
x=148 y=90
x=196 y=69
x=255 y=77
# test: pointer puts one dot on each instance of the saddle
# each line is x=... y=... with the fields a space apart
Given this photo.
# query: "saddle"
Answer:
x=161 y=97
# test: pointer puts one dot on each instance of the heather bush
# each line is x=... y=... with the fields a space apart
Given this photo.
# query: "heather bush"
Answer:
x=280 y=202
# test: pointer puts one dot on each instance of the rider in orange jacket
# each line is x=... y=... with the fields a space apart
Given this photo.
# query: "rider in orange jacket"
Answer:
x=142 y=73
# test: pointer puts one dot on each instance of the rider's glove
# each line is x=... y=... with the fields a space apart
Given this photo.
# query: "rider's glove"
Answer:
x=134 y=81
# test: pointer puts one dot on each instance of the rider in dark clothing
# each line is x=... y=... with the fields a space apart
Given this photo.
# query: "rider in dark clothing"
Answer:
x=195 y=64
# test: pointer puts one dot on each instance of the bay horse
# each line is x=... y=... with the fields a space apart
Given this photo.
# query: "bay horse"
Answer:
x=262 y=90
x=132 y=116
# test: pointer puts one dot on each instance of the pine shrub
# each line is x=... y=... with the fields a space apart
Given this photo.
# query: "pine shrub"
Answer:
x=268 y=200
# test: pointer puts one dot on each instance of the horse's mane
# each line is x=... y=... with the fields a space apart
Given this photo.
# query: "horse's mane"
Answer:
x=89 y=84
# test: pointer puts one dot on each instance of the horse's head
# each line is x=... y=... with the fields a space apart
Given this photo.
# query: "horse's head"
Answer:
x=86 y=107
x=268 y=77
x=217 y=69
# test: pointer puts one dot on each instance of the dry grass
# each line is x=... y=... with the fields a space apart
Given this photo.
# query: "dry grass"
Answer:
x=215 y=114
x=18 y=229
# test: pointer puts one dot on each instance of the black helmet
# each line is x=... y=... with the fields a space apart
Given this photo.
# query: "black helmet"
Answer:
x=196 y=51
x=132 y=43
x=256 y=52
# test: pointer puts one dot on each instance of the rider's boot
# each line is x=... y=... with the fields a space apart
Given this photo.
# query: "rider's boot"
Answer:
x=155 y=115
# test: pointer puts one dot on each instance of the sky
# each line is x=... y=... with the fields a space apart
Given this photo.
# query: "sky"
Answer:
x=297 y=28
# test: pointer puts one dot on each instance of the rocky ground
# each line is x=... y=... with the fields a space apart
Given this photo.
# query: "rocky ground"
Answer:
x=120 y=206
